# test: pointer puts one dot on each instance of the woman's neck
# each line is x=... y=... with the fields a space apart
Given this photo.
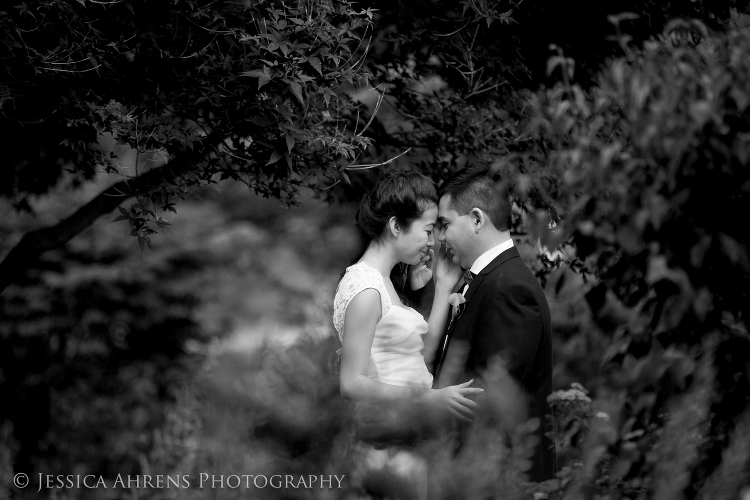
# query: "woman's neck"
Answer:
x=380 y=258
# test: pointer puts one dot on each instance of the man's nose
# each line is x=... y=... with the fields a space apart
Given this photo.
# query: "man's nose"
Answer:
x=431 y=241
x=441 y=236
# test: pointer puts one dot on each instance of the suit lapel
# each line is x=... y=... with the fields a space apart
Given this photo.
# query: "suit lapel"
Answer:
x=454 y=319
x=494 y=264
x=469 y=293
x=473 y=286
x=499 y=260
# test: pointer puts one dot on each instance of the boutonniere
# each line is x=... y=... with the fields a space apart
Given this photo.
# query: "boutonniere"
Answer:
x=456 y=299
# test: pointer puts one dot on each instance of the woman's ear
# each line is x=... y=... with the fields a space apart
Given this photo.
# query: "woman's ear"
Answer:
x=394 y=227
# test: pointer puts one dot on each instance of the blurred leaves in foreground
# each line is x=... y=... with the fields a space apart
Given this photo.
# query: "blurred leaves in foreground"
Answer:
x=100 y=345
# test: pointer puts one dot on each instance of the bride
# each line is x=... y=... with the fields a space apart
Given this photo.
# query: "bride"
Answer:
x=387 y=345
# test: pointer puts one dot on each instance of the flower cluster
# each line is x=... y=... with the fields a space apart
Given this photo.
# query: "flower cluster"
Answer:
x=576 y=393
x=455 y=299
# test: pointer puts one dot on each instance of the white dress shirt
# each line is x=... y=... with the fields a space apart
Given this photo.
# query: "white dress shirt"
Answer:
x=488 y=257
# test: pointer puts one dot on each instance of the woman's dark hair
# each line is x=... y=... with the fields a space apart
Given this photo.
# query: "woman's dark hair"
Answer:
x=403 y=195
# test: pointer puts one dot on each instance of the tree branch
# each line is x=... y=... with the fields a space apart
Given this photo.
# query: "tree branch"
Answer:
x=36 y=242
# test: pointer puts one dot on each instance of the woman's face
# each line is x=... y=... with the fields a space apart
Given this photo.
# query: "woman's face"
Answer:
x=418 y=238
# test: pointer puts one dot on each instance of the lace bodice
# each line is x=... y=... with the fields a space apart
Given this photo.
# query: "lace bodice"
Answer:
x=358 y=277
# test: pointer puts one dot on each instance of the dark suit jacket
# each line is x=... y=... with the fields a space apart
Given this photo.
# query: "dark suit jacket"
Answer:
x=506 y=314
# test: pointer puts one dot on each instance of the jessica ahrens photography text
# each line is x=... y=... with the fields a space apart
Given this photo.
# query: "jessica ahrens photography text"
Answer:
x=184 y=481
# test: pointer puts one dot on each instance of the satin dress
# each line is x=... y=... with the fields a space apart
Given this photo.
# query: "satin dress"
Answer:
x=395 y=359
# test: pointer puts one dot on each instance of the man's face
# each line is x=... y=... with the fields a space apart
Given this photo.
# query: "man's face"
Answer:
x=456 y=233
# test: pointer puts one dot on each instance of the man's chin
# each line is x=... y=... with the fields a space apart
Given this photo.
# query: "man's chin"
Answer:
x=452 y=256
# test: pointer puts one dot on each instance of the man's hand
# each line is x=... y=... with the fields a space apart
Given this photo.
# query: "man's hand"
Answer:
x=453 y=402
x=447 y=273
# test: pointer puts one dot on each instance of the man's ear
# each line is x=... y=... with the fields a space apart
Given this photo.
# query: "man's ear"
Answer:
x=478 y=218
x=394 y=227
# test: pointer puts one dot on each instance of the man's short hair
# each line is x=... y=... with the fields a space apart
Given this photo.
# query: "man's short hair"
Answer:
x=473 y=187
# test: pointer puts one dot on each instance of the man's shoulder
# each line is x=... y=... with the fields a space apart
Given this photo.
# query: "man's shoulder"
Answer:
x=512 y=276
x=510 y=271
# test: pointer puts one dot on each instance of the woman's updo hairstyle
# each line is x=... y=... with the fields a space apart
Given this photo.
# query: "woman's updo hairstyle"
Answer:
x=403 y=195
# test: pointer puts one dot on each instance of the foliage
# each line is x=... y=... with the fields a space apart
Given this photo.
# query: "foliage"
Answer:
x=278 y=411
x=95 y=358
x=636 y=185
x=478 y=46
x=645 y=178
x=121 y=392
x=257 y=92
x=450 y=81
x=243 y=90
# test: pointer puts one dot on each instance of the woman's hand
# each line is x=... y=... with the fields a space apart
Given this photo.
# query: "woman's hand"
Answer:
x=446 y=272
x=453 y=401
x=421 y=274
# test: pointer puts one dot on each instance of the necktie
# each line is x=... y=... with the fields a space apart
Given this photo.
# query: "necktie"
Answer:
x=468 y=276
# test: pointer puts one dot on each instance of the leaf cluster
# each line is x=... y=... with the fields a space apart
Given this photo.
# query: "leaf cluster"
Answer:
x=643 y=180
x=452 y=79
x=201 y=91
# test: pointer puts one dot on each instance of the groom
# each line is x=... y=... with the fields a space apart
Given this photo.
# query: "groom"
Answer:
x=504 y=316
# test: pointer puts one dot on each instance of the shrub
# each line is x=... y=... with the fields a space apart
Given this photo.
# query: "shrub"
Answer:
x=645 y=179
